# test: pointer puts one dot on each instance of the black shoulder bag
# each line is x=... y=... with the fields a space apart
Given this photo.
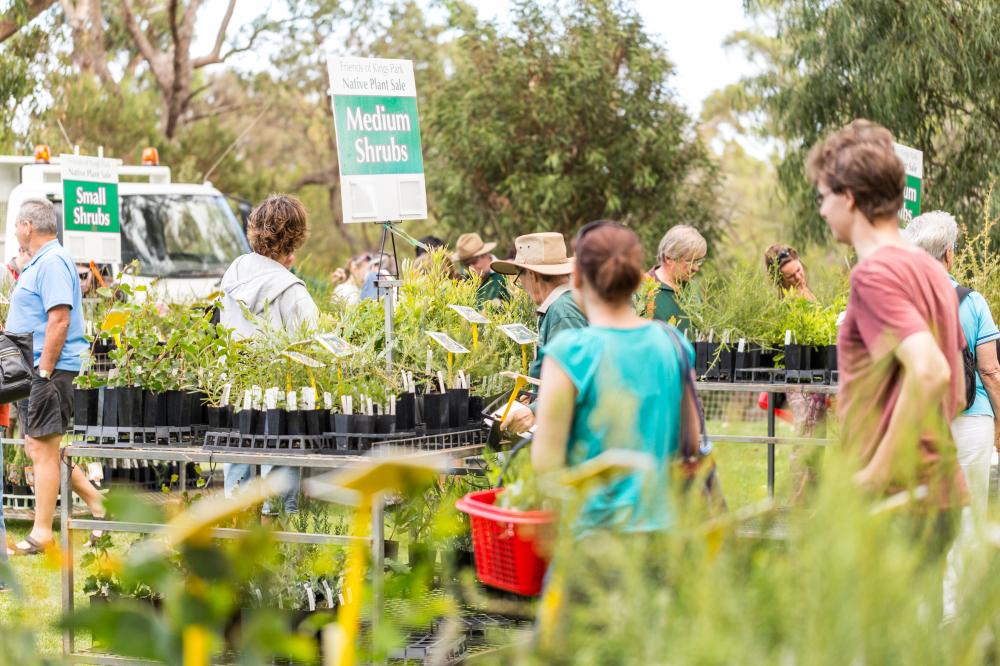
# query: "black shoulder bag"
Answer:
x=16 y=366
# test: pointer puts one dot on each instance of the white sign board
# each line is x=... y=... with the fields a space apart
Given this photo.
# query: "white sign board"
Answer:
x=335 y=344
x=378 y=139
x=519 y=333
x=91 y=209
x=470 y=315
x=447 y=342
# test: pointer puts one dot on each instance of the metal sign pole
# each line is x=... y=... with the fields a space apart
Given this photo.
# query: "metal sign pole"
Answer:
x=386 y=290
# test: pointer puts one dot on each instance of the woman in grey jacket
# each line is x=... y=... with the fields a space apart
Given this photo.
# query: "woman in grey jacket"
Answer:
x=262 y=285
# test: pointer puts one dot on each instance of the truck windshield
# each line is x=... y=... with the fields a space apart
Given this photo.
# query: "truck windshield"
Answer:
x=180 y=235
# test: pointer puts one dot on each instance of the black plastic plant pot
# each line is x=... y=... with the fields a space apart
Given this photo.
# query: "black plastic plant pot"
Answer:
x=330 y=422
x=314 y=421
x=745 y=360
x=196 y=408
x=817 y=358
x=275 y=422
x=342 y=425
x=721 y=362
x=213 y=417
x=109 y=407
x=385 y=423
x=435 y=410
x=295 y=423
x=245 y=421
x=160 y=402
x=406 y=411
x=391 y=549
x=458 y=407
x=85 y=405
x=227 y=418
x=129 y=407
x=477 y=405
x=258 y=422
x=149 y=409
x=796 y=358
x=830 y=352
x=421 y=555
x=177 y=409
x=700 y=359
x=364 y=424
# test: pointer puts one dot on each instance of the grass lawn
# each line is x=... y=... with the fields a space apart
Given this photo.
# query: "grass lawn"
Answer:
x=742 y=470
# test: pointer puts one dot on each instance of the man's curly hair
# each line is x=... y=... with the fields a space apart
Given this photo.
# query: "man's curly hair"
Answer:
x=277 y=226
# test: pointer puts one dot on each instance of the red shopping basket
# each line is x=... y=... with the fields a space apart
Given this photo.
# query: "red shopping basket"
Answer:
x=508 y=544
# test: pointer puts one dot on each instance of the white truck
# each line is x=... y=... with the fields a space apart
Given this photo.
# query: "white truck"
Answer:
x=183 y=235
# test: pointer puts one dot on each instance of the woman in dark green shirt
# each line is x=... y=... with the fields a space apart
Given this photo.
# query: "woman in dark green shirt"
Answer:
x=679 y=257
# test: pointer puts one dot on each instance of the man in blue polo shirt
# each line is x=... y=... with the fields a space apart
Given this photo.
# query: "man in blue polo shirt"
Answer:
x=46 y=302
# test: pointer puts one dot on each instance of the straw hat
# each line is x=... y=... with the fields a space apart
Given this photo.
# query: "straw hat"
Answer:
x=543 y=253
x=471 y=246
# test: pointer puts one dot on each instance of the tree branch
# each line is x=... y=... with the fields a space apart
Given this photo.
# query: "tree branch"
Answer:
x=14 y=19
x=216 y=112
x=321 y=177
x=220 y=38
x=207 y=60
x=143 y=44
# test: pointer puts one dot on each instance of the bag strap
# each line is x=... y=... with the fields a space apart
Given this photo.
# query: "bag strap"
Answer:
x=689 y=446
x=963 y=293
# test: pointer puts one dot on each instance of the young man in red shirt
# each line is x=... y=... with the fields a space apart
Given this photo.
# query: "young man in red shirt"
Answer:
x=900 y=344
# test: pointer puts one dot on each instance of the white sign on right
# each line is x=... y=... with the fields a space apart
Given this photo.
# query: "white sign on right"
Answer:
x=913 y=166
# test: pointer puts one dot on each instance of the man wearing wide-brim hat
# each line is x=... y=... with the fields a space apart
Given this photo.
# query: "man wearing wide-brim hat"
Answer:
x=475 y=256
x=543 y=268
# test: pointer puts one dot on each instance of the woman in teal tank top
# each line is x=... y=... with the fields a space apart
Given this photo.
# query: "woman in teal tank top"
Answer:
x=616 y=384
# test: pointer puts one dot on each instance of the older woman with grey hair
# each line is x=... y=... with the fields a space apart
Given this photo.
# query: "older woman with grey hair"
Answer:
x=679 y=257
x=976 y=429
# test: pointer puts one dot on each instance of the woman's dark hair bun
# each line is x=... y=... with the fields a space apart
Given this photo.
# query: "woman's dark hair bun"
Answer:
x=609 y=258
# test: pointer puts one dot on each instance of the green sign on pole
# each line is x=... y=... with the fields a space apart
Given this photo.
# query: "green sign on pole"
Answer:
x=913 y=164
x=378 y=139
x=91 y=209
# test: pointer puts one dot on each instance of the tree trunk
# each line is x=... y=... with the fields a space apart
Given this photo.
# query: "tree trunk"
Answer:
x=13 y=19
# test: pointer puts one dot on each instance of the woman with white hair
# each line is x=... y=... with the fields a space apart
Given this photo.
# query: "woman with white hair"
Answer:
x=679 y=257
x=976 y=429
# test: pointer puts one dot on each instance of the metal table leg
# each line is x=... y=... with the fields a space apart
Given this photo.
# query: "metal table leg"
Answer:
x=65 y=533
x=771 y=398
x=378 y=561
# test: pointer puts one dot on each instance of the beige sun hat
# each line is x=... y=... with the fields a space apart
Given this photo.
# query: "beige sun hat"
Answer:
x=543 y=253
x=471 y=246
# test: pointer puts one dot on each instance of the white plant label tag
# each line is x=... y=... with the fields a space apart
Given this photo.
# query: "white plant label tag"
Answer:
x=271 y=398
x=742 y=345
x=329 y=593
x=310 y=595
x=308 y=398
x=327 y=401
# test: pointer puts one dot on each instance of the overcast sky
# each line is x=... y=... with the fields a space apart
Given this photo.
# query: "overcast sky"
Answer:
x=691 y=31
